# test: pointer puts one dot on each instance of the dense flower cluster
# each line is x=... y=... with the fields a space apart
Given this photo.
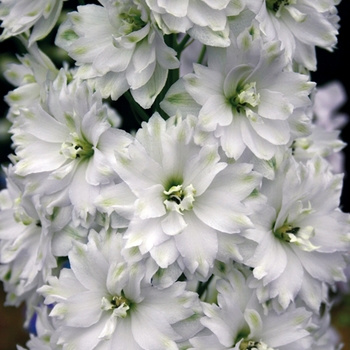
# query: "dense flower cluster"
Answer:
x=216 y=223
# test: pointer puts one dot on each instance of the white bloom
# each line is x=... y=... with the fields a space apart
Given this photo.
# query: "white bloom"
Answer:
x=325 y=334
x=324 y=139
x=300 y=233
x=73 y=158
x=186 y=200
x=25 y=247
x=21 y=15
x=239 y=321
x=204 y=20
x=44 y=327
x=300 y=25
x=30 y=78
x=131 y=52
x=245 y=98
x=105 y=302
x=321 y=143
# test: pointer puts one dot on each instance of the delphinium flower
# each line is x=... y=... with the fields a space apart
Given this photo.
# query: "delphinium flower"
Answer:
x=30 y=77
x=186 y=200
x=20 y=16
x=326 y=336
x=215 y=225
x=73 y=158
x=324 y=139
x=300 y=25
x=239 y=322
x=107 y=302
x=44 y=329
x=245 y=98
x=26 y=258
x=131 y=51
x=206 y=21
x=301 y=233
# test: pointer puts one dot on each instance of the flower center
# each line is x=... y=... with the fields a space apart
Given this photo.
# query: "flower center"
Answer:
x=285 y=232
x=298 y=236
x=245 y=97
x=253 y=345
x=76 y=148
x=118 y=301
x=118 y=304
x=179 y=198
x=130 y=19
x=276 y=5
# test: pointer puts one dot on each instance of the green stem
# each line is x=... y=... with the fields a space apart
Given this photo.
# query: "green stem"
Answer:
x=202 y=287
x=179 y=47
x=173 y=74
x=139 y=113
x=202 y=54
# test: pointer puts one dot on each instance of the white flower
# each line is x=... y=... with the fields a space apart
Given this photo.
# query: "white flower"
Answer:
x=73 y=158
x=204 y=20
x=26 y=256
x=21 y=15
x=44 y=329
x=301 y=233
x=186 y=200
x=321 y=143
x=239 y=322
x=131 y=52
x=325 y=334
x=105 y=302
x=245 y=98
x=30 y=78
x=300 y=25
x=324 y=139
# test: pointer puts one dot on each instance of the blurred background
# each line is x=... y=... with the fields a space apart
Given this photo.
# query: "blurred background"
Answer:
x=333 y=66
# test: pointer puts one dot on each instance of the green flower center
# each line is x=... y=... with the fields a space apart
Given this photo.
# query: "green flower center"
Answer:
x=253 y=345
x=118 y=301
x=276 y=5
x=285 y=231
x=178 y=198
x=77 y=148
x=130 y=20
x=118 y=304
x=246 y=97
x=296 y=235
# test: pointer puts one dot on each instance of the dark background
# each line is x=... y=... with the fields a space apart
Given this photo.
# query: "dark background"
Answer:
x=331 y=66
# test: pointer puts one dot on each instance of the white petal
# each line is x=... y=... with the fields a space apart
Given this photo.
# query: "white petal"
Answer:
x=255 y=323
x=198 y=245
x=165 y=253
x=151 y=330
x=83 y=309
x=276 y=132
x=173 y=223
x=89 y=266
x=116 y=197
x=150 y=202
x=146 y=94
x=217 y=110
x=273 y=105
x=202 y=169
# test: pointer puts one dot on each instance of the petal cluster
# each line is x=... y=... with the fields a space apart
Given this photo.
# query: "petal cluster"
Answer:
x=176 y=178
x=131 y=53
x=184 y=197
x=19 y=16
